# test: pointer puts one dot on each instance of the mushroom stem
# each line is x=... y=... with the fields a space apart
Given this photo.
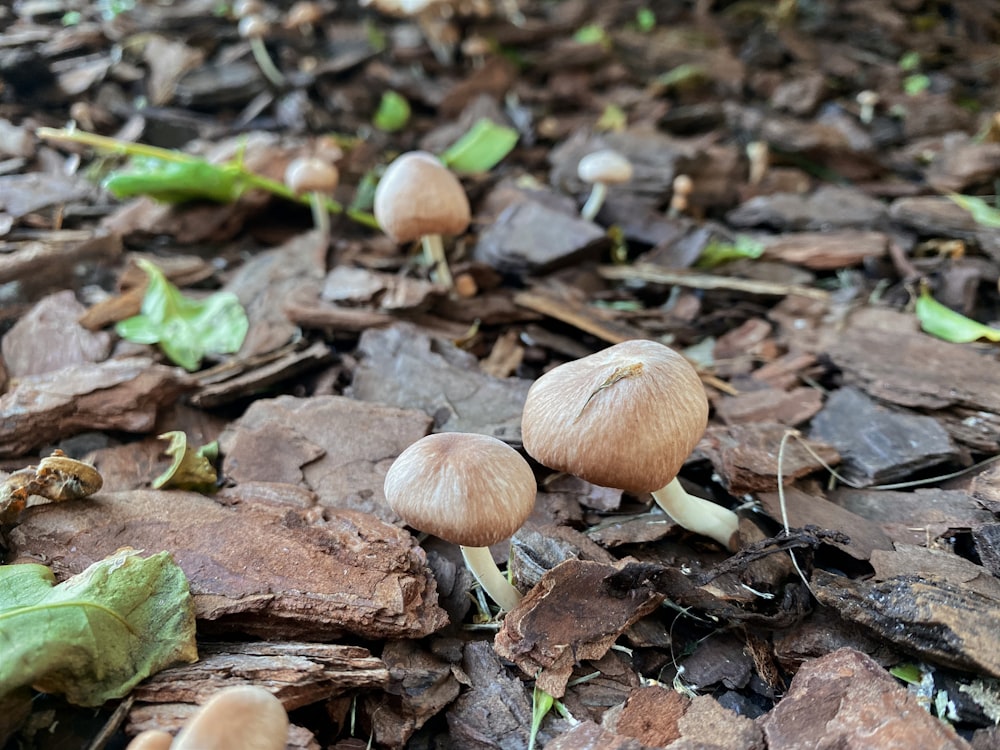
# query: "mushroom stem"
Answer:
x=595 y=201
x=320 y=214
x=480 y=562
x=698 y=515
x=267 y=66
x=434 y=253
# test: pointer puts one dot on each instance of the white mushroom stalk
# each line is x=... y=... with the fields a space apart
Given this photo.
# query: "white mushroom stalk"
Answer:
x=471 y=490
x=627 y=417
x=601 y=169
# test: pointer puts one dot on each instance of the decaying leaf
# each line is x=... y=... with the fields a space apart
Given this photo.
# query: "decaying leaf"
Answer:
x=97 y=634
x=191 y=469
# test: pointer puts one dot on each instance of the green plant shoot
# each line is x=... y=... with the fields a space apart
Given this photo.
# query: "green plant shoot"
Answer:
x=943 y=322
x=982 y=212
x=178 y=182
x=541 y=704
x=481 y=148
x=393 y=112
x=716 y=253
x=186 y=329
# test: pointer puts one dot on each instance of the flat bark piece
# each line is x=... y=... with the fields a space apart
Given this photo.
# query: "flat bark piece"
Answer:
x=650 y=714
x=248 y=378
x=579 y=314
x=822 y=632
x=821 y=251
x=495 y=712
x=22 y=194
x=916 y=370
x=879 y=445
x=746 y=456
x=403 y=367
x=790 y=408
x=117 y=394
x=170 y=717
x=569 y=616
x=266 y=281
x=48 y=338
x=338 y=447
x=985 y=488
x=923 y=615
x=298 y=674
x=723 y=660
x=530 y=237
x=915 y=517
x=910 y=559
x=845 y=700
x=252 y=570
x=806 y=509
x=827 y=208
x=42 y=262
x=588 y=735
x=422 y=686
x=986 y=539
x=962 y=166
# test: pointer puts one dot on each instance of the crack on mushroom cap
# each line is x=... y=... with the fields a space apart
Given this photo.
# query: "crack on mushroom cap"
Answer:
x=632 y=433
x=417 y=196
x=467 y=489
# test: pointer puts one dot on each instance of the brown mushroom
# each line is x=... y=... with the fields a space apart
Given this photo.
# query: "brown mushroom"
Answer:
x=627 y=417
x=471 y=490
x=317 y=178
x=601 y=169
x=244 y=717
x=254 y=28
x=419 y=198
x=151 y=739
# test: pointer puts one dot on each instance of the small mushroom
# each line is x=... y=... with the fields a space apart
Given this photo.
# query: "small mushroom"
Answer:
x=244 y=717
x=151 y=739
x=627 y=417
x=317 y=178
x=419 y=198
x=759 y=156
x=254 y=28
x=304 y=15
x=470 y=490
x=867 y=101
x=680 y=199
x=601 y=169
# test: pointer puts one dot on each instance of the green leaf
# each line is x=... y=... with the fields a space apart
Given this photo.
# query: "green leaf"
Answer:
x=191 y=469
x=645 y=20
x=178 y=181
x=186 y=329
x=943 y=322
x=982 y=212
x=591 y=34
x=916 y=84
x=481 y=148
x=612 y=120
x=716 y=253
x=909 y=62
x=686 y=74
x=97 y=634
x=393 y=113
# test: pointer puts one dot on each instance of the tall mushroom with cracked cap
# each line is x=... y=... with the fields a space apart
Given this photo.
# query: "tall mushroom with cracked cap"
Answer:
x=471 y=490
x=627 y=417
x=601 y=169
x=420 y=198
x=243 y=717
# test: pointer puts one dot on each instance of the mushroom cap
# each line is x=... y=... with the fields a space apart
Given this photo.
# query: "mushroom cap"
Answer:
x=304 y=13
x=308 y=174
x=244 y=717
x=151 y=739
x=605 y=166
x=625 y=417
x=467 y=489
x=253 y=27
x=418 y=195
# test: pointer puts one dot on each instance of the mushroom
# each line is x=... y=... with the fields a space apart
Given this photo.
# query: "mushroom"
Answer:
x=759 y=156
x=317 y=178
x=867 y=101
x=151 y=739
x=600 y=169
x=418 y=197
x=627 y=417
x=471 y=490
x=253 y=28
x=304 y=15
x=243 y=717
x=680 y=200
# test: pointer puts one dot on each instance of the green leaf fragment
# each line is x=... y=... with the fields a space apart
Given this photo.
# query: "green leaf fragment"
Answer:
x=645 y=20
x=982 y=212
x=541 y=704
x=943 y=322
x=191 y=469
x=591 y=34
x=186 y=329
x=907 y=672
x=179 y=181
x=481 y=148
x=96 y=635
x=393 y=112
x=716 y=253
